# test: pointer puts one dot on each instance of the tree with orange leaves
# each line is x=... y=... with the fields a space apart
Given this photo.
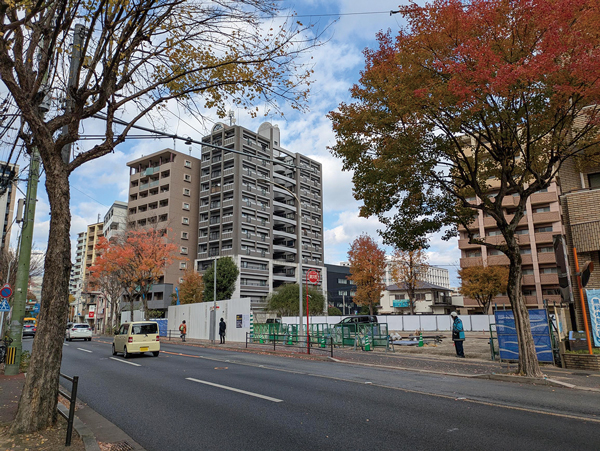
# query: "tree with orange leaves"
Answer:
x=367 y=270
x=139 y=259
x=408 y=269
x=471 y=107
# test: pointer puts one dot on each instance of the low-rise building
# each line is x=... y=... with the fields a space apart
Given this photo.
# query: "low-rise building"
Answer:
x=429 y=299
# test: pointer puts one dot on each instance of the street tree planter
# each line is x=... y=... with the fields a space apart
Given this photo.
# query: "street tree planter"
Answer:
x=581 y=361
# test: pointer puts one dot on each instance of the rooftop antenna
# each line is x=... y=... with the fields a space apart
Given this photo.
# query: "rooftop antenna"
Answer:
x=231 y=115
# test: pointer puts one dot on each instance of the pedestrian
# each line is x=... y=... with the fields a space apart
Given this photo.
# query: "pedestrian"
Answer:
x=458 y=335
x=183 y=330
x=222 y=327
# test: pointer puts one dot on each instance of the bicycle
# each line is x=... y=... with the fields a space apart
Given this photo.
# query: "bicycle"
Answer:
x=4 y=344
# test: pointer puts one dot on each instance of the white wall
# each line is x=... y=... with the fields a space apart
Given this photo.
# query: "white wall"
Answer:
x=410 y=323
x=197 y=318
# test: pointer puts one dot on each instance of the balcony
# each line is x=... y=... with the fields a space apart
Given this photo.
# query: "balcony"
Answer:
x=471 y=261
x=544 y=237
x=549 y=279
x=497 y=260
x=546 y=257
x=543 y=198
x=528 y=279
x=545 y=217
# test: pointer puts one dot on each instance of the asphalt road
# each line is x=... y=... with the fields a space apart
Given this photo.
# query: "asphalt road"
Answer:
x=192 y=398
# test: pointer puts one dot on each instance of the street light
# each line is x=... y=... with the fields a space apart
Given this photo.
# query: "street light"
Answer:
x=299 y=246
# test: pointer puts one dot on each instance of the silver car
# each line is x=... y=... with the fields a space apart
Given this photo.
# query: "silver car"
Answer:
x=79 y=330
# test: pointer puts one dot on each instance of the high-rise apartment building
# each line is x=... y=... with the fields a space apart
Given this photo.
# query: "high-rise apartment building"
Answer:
x=115 y=220
x=535 y=231
x=249 y=209
x=163 y=193
x=7 y=201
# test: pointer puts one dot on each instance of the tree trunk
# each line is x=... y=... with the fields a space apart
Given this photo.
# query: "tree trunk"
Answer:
x=37 y=406
x=528 y=361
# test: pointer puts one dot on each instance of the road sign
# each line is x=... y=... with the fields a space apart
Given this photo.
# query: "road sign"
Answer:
x=4 y=306
x=6 y=291
x=313 y=276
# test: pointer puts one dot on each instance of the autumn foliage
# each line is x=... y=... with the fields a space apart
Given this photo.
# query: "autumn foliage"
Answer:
x=191 y=290
x=483 y=283
x=469 y=104
x=408 y=268
x=367 y=270
x=139 y=259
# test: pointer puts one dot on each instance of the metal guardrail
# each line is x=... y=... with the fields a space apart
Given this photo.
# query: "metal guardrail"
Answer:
x=72 y=398
x=291 y=341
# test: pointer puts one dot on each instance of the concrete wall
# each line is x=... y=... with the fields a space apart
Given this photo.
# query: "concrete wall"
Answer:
x=197 y=318
x=410 y=323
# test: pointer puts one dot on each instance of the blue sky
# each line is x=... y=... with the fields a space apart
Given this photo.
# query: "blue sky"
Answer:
x=352 y=26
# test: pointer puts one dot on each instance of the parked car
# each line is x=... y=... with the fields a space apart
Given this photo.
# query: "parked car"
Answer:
x=358 y=319
x=29 y=327
x=136 y=338
x=79 y=330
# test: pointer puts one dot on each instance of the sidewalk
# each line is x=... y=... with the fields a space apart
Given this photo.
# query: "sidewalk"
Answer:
x=99 y=434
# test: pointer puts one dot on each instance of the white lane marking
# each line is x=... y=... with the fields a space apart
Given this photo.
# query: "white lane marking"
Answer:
x=244 y=392
x=84 y=350
x=124 y=361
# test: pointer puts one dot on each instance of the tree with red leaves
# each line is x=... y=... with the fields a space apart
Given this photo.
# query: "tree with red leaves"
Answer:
x=138 y=258
x=472 y=105
x=367 y=270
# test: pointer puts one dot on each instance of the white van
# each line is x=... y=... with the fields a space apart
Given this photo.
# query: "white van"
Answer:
x=136 y=338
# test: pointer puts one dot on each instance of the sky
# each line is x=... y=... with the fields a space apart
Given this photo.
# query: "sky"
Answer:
x=349 y=27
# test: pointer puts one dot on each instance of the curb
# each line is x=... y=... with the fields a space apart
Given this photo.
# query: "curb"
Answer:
x=86 y=434
x=491 y=376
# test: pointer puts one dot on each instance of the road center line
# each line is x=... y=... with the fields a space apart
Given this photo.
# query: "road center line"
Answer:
x=84 y=350
x=124 y=361
x=237 y=390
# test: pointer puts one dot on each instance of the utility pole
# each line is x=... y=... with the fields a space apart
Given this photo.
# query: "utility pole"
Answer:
x=20 y=296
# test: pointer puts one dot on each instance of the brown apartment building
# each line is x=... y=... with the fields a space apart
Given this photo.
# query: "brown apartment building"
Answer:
x=580 y=206
x=163 y=192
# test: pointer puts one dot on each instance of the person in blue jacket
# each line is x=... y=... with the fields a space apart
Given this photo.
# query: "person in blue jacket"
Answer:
x=458 y=335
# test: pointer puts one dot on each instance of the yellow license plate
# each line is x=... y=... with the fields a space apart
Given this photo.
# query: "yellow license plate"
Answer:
x=144 y=349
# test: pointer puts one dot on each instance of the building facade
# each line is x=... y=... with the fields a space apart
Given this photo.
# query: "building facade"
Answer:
x=115 y=220
x=434 y=275
x=535 y=231
x=341 y=289
x=8 y=191
x=429 y=299
x=257 y=206
x=580 y=202
x=163 y=193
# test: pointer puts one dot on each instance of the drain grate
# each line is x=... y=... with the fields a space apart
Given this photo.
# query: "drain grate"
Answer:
x=120 y=446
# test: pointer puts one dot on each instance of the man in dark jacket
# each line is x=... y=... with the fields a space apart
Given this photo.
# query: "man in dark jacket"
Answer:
x=458 y=335
x=222 y=327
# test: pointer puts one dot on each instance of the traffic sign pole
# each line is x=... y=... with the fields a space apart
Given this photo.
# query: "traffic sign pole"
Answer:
x=313 y=277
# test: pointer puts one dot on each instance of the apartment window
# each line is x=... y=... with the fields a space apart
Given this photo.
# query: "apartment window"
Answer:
x=342 y=293
x=342 y=281
x=522 y=232
x=473 y=254
x=186 y=191
x=493 y=233
x=186 y=206
x=495 y=252
x=525 y=251
x=185 y=220
x=528 y=292
x=181 y=280
x=399 y=297
x=545 y=249
x=187 y=177
x=183 y=250
x=543 y=229
x=543 y=190
x=528 y=272
x=182 y=265
x=187 y=164
x=548 y=270
x=184 y=235
x=552 y=292
x=541 y=209
x=594 y=180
